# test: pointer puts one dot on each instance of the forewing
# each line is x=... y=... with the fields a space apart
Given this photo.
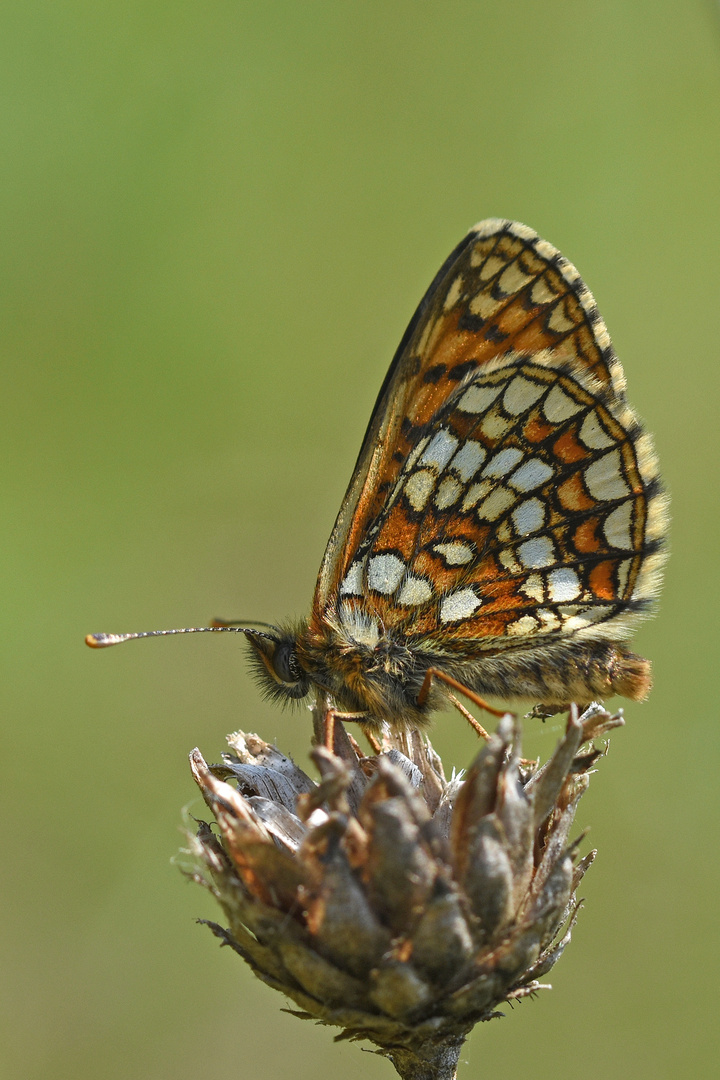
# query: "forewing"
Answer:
x=504 y=488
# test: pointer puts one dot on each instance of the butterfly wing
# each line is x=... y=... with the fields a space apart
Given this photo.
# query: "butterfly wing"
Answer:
x=504 y=489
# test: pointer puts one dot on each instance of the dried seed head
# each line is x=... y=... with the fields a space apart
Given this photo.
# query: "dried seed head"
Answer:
x=387 y=901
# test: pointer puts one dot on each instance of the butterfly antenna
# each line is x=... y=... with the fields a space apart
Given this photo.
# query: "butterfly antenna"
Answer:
x=102 y=641
x=240 y=622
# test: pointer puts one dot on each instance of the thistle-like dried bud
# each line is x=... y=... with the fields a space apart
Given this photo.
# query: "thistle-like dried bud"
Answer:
x=392 y=903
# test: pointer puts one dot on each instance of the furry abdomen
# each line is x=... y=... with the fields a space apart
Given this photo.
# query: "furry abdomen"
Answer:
x=557 y=674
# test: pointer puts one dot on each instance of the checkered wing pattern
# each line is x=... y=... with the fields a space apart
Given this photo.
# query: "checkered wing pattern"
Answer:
x=504 y=491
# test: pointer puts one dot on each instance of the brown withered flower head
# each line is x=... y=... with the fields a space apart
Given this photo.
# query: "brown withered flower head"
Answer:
x=388 y=901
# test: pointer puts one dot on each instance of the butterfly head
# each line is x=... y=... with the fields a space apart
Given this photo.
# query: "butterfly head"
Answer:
x=276 y=665
x=373 y=678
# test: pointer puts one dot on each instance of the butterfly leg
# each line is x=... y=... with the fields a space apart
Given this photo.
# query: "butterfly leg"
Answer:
x=330 y=715
x=435 y=673
x=375 y=746
x=469 y=717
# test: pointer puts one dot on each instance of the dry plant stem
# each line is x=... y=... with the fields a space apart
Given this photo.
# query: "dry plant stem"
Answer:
x=387 y=901
x=428 y=1062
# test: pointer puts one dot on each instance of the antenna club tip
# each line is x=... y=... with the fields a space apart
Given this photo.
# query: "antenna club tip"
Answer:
x=100 y=641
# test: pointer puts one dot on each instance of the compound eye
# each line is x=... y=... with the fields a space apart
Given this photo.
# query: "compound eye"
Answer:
x=276 y=663
x=286 y=663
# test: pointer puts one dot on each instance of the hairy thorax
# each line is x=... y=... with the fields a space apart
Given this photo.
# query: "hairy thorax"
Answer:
x=380 y=678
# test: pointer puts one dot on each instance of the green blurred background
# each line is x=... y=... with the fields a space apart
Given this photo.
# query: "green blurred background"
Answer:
x=217 y=218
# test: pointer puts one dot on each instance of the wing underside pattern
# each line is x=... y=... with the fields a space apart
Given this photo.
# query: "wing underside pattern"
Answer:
x=504 y=490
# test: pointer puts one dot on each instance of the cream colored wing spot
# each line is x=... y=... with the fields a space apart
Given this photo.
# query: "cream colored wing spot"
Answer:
x=604 y=479
x=494 y=426
x=593 y=434
x=484 y=305
x=447 y=493
x=496 y=504
x=455 y=552
x=509 y=561
x=477 y=399
x=441 y=448
x=504 y=533
x=468 y=459
x=503 y=462
x=385 y=573
x=454 y=293
x=429 y=337
x=563 y=585
x=458 y=605
x=352 y=584
x=521 y=395
x=529 y=517
x=493 y=264
x=586 y=618
x=531 y=474
x=475 y=494
x=359 y=626
x=537 y=553
x=623 y=571
x=559 y=406
x=523 y=626
x=415 y=453
x=558 y=320
x=617 y=527
x=548 y=619
x=541 y=293
x=513 y=279
x=534 y=587
x=414 y=591
x=419 y=487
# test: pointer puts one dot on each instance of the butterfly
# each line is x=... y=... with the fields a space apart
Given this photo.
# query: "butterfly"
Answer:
x=504 y=528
